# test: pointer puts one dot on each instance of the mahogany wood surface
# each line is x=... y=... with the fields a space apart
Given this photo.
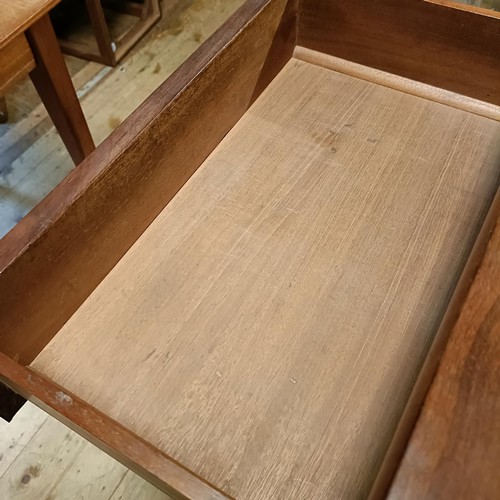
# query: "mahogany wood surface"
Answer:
x=454 y=451
x=455 y=49
x=52 y=260
x=113 y=438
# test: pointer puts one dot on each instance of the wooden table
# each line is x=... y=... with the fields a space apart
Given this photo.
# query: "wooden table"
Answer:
x=28 y=45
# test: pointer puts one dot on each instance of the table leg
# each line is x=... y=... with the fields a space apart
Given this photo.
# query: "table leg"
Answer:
x=4 y=114
x=53 y=83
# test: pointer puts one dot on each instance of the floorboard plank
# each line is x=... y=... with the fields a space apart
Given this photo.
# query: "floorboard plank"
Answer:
x=133 y=487
x=15 y=435
x=92 y=476
x=42 y=462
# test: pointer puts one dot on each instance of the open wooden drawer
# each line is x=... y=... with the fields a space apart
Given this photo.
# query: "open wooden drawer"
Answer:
x=247 y=289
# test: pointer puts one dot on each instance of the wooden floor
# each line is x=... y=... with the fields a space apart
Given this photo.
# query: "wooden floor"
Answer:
x=276 y=313
x=39 y=457
x=485 y=4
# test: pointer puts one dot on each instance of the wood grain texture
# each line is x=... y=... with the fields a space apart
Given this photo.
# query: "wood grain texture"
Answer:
x=267 y=314
x=400 y=83
x=16 y=60
x=16 y=435
x=45 y=457
x=430 y=43
x=17 y=16
x=133 y=487
x=421 y=387
x=53 y=259
x=31 y=468
x=454 y=451
x=108 y=435
x=93 y=475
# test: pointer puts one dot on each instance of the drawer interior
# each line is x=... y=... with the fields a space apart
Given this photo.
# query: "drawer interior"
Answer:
x=267 y=328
